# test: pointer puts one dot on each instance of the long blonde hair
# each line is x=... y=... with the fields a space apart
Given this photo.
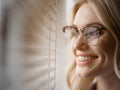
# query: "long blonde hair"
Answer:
x=108 y=12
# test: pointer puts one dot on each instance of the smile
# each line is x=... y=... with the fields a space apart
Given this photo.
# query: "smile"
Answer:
x=86 y=58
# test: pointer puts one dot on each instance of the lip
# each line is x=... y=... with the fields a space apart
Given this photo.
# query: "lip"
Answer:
x=84 y=63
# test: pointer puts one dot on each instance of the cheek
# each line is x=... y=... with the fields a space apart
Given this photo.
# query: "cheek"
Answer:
x=107 y=47
x=72 y=47
x=73 y=43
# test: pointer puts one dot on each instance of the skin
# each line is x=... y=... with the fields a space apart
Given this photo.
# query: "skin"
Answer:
x=102 y=67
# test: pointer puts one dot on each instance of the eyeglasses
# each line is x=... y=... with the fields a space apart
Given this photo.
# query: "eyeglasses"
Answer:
x=91 y=32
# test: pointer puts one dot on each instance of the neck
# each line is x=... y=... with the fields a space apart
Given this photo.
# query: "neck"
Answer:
x=108 y=82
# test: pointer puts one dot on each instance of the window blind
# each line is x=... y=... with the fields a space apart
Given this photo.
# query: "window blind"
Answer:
x=40 y=45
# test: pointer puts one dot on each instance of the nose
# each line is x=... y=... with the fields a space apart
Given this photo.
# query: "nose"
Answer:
x=80 y=43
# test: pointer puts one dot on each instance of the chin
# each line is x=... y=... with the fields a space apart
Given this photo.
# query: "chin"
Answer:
x=84 y=73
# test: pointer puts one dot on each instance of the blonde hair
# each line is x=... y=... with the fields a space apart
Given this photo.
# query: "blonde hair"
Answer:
x=108 y=13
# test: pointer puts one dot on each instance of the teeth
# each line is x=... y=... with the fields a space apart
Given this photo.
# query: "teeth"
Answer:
x=85 y=58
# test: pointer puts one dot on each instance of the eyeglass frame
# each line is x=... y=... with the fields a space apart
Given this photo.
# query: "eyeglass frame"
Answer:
x=98 y=27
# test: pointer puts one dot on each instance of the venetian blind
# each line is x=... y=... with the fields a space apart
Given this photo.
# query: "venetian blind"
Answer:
x=40 y=44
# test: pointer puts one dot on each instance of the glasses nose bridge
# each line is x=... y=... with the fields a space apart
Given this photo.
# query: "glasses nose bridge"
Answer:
x=80 y=42
x=80 y=30
x=80 y=36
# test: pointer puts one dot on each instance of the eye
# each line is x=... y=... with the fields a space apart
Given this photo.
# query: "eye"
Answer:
x=74 y=32
x=71 y=32
x=90 y=33
x=93 y=33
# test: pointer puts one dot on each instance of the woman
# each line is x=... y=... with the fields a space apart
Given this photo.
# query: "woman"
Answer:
x=94 y=34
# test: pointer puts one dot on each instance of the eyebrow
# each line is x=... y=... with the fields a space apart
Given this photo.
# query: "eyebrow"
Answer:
x=95 y=23
x=90 y=24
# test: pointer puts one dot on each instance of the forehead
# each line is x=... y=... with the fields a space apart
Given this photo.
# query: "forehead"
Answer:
x=85 y=15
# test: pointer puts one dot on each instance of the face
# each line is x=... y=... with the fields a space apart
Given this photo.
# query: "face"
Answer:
x=92 y=60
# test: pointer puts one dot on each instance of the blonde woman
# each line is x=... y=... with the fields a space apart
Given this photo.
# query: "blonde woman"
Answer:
x=94 y=34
